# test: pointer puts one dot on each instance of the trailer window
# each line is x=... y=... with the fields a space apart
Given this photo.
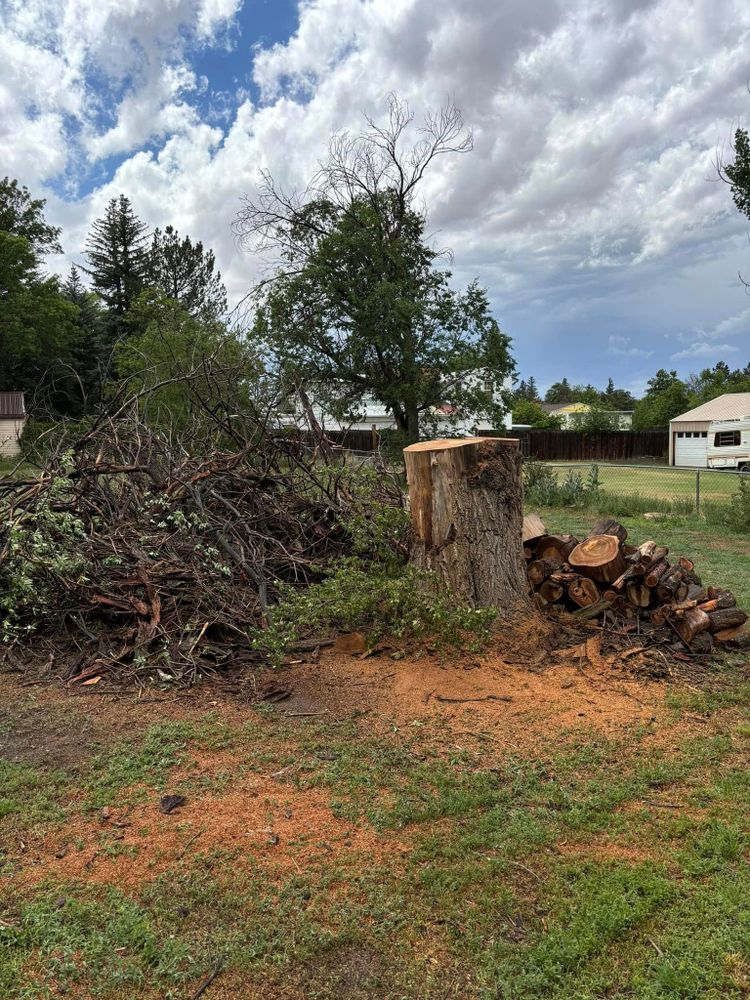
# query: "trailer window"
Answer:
x=726 y=439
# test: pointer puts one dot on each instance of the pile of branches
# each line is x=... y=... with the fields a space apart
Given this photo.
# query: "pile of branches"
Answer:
x=602 y=576
x=130 y=552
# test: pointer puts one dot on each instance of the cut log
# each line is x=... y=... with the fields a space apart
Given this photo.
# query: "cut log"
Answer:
x=583 y=592
x=465 y=499
x=555 y=547
x=726 y=618
x=728 y=634
x=672 y=587
x=702 y=643
x=540 y=569
x=598 y=557
x=551 y=591
x=696 y=593
x=608 y=526
x=655 y=572
x=687 y=564
x=643 y=553
x=638 y=594
x=718 y=599
x=528 y=552
x=533 y=528
x=691 y=624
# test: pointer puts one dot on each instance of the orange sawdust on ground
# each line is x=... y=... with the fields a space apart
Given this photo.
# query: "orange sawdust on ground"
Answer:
x=517 y=709
x=259 y=821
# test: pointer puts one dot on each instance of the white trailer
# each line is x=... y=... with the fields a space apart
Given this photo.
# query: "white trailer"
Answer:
x=729 y=444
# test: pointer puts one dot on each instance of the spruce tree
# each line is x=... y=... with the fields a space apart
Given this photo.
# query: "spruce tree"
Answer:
x=532 y=393
x=186 y=272
x=117 y=253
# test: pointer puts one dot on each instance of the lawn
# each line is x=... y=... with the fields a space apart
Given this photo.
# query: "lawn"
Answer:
x=658 y=482
x=382 y=833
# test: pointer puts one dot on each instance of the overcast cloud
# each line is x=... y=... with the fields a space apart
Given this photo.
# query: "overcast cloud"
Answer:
x=589 y=207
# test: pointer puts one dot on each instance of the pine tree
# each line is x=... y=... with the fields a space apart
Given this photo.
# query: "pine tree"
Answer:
x=118 y=258
x=522 y=390
x=532 y=393
x=186 y=272
x=93 y=347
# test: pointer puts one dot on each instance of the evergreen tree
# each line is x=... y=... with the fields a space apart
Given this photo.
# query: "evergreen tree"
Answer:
x=91 y=355
x=117 y=253
x=532 y=393
x=187 y=273
x=522 y=390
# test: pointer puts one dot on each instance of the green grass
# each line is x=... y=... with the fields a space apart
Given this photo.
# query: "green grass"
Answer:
x=480 y=882
x=659 y=482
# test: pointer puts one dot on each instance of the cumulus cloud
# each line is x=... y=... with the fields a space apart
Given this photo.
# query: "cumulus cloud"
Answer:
x=585 y=206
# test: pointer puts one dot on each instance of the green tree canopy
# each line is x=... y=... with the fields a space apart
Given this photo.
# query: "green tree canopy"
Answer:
x=666 y=398
x=191 y=371
x=37 y=325
x=527 y=411
x=358 y=304
x=187 y=273
x=559 y=392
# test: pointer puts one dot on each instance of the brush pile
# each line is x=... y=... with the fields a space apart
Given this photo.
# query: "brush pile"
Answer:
x=128 y=552
x=602 y=575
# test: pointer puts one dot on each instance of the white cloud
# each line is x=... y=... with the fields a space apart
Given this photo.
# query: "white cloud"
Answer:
x=589 y=193
x=705 y=349
x=621 y=346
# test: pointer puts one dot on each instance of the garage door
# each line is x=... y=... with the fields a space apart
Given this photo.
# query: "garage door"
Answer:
x=690 y=448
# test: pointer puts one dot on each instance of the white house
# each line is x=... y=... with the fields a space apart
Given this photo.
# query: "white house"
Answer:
x=371 y=413
x=12 y=421
x=688 y=433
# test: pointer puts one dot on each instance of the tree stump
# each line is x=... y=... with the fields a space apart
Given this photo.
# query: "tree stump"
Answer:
x=466 y=514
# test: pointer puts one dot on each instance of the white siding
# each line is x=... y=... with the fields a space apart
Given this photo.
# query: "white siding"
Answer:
x=10 y=434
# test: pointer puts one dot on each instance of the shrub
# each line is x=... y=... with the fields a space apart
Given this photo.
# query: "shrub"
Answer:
x=734 y=515
x=355 y=595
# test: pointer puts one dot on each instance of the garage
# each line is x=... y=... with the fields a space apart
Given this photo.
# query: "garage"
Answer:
x=688 y=433
x=690 y=449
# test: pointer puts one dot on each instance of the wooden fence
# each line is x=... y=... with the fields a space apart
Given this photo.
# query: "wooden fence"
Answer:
x=581 y=446
x=550 y=446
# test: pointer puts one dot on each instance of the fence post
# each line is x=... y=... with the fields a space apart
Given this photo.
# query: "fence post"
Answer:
x=698 y=491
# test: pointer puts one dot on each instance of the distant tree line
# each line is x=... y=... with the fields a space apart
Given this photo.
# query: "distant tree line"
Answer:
x=666 y=397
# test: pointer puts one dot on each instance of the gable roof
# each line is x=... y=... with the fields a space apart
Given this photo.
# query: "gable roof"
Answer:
x=12 y=406
x=730 y=406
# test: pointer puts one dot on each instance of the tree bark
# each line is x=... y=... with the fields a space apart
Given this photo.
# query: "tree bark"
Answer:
x=466 y=513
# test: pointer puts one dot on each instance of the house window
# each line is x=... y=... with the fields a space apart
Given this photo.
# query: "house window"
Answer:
x=726 y=439
x=680 y=434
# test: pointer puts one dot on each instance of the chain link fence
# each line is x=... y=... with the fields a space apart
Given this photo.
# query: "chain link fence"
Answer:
x=634 y=488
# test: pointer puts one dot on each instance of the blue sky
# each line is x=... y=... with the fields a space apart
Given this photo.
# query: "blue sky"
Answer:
x=589 y=208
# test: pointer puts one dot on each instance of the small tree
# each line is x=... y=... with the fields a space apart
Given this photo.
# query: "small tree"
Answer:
x=596 y=418
x=356 y=304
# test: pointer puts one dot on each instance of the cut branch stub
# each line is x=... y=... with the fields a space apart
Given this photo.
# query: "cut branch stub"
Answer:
x=466 y=513
x=599 y=557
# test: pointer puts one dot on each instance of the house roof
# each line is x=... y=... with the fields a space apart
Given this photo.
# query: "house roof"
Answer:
x=730 y=406
x=12 y=406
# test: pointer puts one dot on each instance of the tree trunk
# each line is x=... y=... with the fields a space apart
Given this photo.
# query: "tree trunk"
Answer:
x=466 y=514
x=412 y=421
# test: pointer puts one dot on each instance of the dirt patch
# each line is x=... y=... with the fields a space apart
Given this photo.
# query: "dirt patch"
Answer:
x=259 y=822
x=484 y=698
x=605 y=851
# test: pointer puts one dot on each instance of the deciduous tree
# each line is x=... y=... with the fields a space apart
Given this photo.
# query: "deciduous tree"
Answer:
x=357 y=303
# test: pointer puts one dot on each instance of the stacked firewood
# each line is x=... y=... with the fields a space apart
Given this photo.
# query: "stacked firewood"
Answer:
x=602 y=573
